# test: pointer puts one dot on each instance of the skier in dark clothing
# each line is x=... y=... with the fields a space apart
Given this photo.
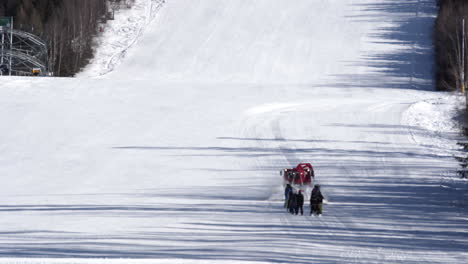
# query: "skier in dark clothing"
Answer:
x=293 y=203
x=287 y=193
x=300 y=203
x=316 y=200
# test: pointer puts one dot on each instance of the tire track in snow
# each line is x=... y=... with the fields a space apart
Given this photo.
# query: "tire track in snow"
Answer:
x=333 y=223
x=271 y=123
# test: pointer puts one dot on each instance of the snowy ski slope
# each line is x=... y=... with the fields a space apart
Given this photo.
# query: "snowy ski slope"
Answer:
x=174 y=156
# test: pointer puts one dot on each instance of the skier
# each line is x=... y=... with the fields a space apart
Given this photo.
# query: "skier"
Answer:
x=300 y=203
x=316 y=199
x=287 y=193
x=293 y=203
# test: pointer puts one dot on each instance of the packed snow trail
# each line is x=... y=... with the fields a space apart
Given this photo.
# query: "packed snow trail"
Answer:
x=175 y=155
x=274 y=42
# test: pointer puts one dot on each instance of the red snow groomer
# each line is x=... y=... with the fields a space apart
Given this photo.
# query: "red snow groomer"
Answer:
x=301 y=175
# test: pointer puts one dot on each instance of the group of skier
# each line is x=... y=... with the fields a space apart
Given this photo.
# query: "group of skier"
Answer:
x=294 y=201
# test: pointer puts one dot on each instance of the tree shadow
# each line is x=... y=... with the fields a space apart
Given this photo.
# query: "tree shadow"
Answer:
x=367 y=210
x=409 y=65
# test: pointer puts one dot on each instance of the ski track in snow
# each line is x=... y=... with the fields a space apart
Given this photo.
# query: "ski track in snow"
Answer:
x=173 y=154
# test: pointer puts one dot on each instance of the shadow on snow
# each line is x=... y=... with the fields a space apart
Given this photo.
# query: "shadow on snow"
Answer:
x=409 y=67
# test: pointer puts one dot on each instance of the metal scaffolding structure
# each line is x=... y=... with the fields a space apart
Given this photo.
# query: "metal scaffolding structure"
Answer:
x=21 y=53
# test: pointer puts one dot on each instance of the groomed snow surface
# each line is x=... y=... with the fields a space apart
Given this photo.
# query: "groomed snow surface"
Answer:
x=173 y=157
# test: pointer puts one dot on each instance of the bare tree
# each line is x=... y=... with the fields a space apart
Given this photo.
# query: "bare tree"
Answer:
x=448 y=44
x=69 y=27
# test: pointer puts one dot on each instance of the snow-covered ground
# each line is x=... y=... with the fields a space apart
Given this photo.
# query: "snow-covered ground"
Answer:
x=174 y=155
x=119 y=35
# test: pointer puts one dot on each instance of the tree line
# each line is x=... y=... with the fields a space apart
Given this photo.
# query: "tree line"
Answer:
x=68 y=26
x=448 y=41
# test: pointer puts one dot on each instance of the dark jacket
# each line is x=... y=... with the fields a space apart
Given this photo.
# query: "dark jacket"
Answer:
x=293 y=200
x=287 y=191
x=300 y=200
x=316 y=196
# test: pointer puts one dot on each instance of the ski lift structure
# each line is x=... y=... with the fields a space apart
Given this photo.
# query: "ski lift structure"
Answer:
x=21 y=53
